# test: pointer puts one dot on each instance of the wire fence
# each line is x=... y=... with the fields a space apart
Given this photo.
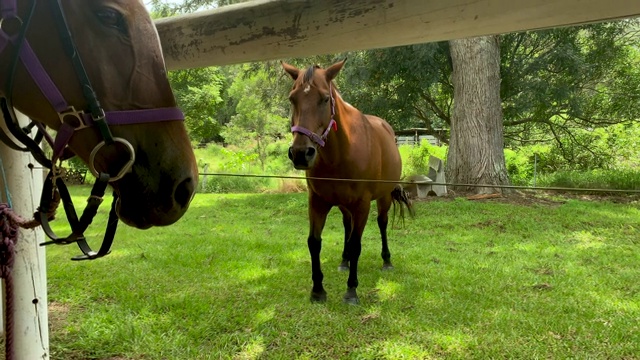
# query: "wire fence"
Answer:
x=404 y=182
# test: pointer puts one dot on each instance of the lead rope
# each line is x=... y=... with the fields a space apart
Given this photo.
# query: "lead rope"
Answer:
x=9 y=224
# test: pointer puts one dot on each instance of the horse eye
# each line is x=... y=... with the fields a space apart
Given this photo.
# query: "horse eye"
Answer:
x=111 y=18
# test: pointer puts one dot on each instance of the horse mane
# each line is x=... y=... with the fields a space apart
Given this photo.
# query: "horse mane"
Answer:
x=308 y=75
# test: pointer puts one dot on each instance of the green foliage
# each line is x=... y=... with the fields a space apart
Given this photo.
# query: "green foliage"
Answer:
x=279 y=162
x=473 y=280
x=609 y=149
x=77 y=164
x=258 y=120
x=165 y=8
x=594 y=179
x=519 y=167
x=198 y=93
x=234 y=184
x=415 y=159
x=570 y=95
x=557 y=85
x=408 y=86
x=220 y=160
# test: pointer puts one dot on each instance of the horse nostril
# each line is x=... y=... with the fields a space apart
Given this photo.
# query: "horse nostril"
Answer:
x=290 y=153
x=184 y=192
x=311 y=152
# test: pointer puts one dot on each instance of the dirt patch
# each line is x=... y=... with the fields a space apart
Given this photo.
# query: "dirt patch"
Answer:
x=58 y=313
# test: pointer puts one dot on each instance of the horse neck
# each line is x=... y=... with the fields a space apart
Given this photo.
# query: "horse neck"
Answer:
x=338 y=142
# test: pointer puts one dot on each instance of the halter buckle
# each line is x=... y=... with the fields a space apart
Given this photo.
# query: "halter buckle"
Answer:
x=73 y=117
x=11 y=25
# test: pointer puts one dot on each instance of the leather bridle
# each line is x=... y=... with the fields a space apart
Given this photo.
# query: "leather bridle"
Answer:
x=13 y=30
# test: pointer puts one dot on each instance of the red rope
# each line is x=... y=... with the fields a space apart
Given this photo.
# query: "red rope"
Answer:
x=9 y=224
x=7 y=249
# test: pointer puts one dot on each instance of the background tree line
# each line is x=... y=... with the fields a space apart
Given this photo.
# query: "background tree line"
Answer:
x=569 y=96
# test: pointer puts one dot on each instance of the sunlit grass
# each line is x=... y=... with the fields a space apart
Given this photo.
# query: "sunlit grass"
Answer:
x=231 y=280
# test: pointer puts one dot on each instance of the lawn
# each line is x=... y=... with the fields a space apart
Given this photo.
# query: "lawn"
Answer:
x=472 y=280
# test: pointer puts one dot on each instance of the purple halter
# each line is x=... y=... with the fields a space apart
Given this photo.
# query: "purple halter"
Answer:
x=96 y=116
x=320 y=139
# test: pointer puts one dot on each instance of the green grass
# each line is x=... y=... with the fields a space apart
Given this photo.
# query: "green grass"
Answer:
x=478 y=280
x=595 y=179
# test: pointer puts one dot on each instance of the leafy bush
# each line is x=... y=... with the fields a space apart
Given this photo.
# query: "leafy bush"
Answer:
x=518 y=167
x=232 y=184
x=415 y=159
x=594 y=179
x=222 y=160
x=278 y=160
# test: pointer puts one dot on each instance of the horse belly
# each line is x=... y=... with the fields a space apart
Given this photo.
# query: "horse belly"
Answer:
x=339 y=192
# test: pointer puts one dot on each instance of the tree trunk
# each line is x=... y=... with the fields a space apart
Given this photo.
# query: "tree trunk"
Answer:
x=476 y=147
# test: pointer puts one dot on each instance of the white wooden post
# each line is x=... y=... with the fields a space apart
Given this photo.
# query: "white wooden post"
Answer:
x=31 y=326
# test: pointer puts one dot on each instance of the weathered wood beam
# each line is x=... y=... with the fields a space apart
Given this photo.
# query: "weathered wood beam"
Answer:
x=277 y=29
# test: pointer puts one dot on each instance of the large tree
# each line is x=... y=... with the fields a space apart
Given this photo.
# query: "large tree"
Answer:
x=476 y=145
x=554 y=84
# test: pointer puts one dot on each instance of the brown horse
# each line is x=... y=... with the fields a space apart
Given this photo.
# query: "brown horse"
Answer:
x=151 y=163
x=332 y=139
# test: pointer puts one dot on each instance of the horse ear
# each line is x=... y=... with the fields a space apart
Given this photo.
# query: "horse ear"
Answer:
x=291 y=70
x=333 y=70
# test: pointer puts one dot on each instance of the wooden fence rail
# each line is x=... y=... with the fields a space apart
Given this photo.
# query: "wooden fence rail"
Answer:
x=277 y=29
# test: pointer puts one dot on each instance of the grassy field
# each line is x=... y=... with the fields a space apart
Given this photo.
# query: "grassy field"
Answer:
x=473 y=280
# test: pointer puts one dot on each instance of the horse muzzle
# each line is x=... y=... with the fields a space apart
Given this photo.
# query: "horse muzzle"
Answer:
x=302 y=157
x=143 y=204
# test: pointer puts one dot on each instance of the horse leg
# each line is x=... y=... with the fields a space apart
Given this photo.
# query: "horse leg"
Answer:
x=384 y=204
x=347 y=222
x=318 y=210
x=360 y=214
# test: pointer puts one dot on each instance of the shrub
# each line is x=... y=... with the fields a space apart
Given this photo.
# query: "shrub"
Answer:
x=594 y=179
x=415 y=159
x=227 y=161
x=232 y=184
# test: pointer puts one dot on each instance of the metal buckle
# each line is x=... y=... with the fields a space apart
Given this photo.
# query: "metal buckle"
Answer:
x=100 y=117
x=125 y=169
x=9 y=20
x=73 y=117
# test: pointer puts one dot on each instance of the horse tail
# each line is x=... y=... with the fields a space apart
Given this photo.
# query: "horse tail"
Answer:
x=400 y=198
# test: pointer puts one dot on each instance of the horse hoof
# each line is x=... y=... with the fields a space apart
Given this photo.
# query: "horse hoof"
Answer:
x=351 y=297
x=318 y=297
x=387 y=267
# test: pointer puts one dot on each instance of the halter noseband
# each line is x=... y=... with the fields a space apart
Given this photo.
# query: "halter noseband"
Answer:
x=71 y=120
x=320 y=139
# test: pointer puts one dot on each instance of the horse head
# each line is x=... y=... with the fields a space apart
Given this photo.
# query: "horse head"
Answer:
x=313 y=110
x=120 y=52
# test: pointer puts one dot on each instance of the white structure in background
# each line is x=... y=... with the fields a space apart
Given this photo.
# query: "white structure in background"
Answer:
x=411 y=140
x=423 y=187
x=30 y=316
x=415 y=136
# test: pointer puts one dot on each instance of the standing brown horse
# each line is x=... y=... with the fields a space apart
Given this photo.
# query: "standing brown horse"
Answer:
x=76 y=64
x=332 y=139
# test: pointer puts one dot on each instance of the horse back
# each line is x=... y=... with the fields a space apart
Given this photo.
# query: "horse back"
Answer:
x=384 y=138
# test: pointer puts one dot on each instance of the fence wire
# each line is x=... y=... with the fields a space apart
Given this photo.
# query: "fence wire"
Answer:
x=404 y=182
